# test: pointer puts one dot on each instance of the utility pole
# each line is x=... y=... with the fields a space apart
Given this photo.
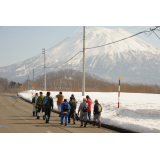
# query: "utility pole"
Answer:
x=33 y=78
x=43 y=52
x=83 y=79
x=28 y=82
x=4 y=84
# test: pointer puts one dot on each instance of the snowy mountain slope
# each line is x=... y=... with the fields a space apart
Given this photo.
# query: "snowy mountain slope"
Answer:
x=133 y=59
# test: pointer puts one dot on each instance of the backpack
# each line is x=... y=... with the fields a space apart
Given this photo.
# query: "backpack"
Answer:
x=46 y=102
x=33 y=99
x=99 y=108
x=40 y=103
x=85 y=108
x=65 y=107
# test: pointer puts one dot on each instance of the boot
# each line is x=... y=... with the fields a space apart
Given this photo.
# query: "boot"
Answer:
x=99 y=125
x=85 y=123
x=38 y=115
x=33 y=114
x=94 y=123
x=74 y=122
x=44 y=116
x=61 y=123
x=46 y=119
x=90 y=120
x=65 y=124
x=81 y=124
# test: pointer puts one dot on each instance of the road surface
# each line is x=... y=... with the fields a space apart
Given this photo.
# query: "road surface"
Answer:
x=16 y=117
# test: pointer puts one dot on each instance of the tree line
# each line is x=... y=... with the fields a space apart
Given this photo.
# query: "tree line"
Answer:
x=71 y=80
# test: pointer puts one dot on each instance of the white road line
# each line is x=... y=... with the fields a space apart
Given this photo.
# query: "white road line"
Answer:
x=23 y=119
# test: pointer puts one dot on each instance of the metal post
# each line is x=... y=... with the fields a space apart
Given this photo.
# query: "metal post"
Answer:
x=43 y=52
x=119 y=95
x=83 y=79
x=28 y=82
x=33 y=78
x=4 y=84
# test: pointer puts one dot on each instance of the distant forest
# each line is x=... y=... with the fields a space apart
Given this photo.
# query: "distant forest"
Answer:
x=71 y=80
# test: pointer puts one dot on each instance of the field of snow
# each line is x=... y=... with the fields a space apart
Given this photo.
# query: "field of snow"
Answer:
x=138 y=112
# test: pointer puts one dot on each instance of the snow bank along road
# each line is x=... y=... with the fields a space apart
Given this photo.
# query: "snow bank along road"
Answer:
x=16 y=117
x=138 y=112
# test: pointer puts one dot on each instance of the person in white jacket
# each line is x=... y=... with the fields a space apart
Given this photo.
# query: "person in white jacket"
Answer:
x=34 y=105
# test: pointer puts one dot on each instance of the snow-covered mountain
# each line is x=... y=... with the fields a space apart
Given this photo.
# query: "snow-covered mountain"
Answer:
x=133 y=60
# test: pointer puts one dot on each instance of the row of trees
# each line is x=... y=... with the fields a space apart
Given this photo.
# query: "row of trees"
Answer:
x=71 y=80
x=10 y=87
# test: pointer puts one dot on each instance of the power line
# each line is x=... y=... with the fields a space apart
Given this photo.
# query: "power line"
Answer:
x=130 y=28
x=58 y=38
x=121 y=39
x=71 y=31
x=156 y=34
x=65 y=61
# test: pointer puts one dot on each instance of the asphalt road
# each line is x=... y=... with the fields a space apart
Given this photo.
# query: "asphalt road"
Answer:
x=16 y=117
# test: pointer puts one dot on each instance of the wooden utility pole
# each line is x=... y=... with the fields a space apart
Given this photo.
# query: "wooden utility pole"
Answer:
x=83 y=77
x=43 y=52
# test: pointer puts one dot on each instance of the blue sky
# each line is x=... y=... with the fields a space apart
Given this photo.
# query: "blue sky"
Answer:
x=19 y=43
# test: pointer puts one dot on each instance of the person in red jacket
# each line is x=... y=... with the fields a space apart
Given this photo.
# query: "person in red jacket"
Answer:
x=89 y=101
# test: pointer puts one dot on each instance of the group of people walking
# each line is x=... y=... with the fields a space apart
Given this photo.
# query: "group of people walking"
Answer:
x=67 y=109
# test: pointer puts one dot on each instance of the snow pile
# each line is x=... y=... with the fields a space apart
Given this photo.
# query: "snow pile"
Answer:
x=138 y=112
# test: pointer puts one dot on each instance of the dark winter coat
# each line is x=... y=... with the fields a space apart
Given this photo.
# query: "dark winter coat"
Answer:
x=73 y=104
x=50 y=101
x=96 y=109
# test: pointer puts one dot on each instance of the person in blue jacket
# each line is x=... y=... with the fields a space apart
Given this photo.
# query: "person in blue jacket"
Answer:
x=65 y=110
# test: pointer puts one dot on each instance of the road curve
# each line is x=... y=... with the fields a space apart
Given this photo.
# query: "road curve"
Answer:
x=16 y=117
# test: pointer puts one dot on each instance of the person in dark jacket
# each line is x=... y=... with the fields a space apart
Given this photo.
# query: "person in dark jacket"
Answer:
x=73 y=104
x=48 y=105
x=65 y=110
x=97 y=113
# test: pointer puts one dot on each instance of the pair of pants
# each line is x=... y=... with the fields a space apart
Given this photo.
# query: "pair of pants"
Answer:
x=83 y=116
x=48 y=112
x=97 y=116
x=66 y=117
x=71 y=115
x=39 y=110
x=59 y=108
x=34 y=108
x=89 y=115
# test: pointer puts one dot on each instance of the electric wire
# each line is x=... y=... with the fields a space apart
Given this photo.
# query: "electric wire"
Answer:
x=58 y=38
x=156 y=34
x=120 y=39
x=66 y=61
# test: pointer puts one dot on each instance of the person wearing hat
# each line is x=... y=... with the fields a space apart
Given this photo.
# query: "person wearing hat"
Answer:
x=83 y=109
x=97 y=113
x=40 y=105
x=89 y=101
x=48 y=105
